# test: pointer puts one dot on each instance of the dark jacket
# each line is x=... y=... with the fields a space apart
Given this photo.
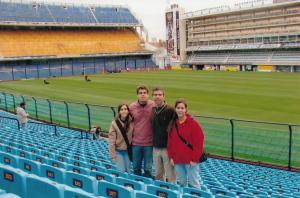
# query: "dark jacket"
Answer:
x=161 y=118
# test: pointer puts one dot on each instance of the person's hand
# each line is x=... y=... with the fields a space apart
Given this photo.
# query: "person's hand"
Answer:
x=172 y=162
x=193 y=163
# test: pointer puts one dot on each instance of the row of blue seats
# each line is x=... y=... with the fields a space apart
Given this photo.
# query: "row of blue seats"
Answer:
x=70 y=14
x=87 y=181
x=80 y=153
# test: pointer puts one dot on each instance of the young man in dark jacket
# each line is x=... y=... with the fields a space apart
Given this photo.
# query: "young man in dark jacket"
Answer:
x=162 y=114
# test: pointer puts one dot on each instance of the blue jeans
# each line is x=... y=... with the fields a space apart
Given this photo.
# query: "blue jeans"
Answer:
x=122 y=161
x=188 y=175
x=142 y=154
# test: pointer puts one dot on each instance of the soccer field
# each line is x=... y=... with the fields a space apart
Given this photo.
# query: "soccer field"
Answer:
x=272 y=97
x=255 y=96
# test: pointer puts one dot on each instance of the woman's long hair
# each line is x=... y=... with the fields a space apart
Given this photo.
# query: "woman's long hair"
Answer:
x=129 y=117
x=175 y=116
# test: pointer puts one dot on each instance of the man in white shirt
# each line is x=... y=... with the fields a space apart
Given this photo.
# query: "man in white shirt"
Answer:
x=22 y=116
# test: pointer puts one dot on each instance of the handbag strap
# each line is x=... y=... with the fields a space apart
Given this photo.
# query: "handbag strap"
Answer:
x=182 y=139
x=123 y=132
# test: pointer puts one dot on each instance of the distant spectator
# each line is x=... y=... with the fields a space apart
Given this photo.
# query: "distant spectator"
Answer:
x=142 y=150
x=96 y=131
x=22 y=116
x=46 y=82
x=86 y=77
x=185 y=146
x=120 y=138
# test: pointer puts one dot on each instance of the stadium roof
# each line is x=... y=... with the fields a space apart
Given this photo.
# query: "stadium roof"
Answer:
x=221 y=10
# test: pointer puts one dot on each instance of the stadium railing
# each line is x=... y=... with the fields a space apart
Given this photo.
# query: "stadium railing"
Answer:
x=264 y=143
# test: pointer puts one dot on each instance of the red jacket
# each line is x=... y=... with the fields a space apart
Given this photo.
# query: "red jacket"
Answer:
x=191 y=131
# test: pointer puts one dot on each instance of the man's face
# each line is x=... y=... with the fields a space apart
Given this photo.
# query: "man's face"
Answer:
x=158 y=97
x=142 y=95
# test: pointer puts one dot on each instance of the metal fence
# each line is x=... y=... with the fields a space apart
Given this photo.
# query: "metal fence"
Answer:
x=260 y=142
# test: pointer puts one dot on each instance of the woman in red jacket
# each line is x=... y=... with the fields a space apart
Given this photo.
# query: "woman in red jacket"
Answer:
x=185 y=146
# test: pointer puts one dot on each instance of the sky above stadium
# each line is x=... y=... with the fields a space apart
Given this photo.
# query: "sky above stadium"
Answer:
x=151 y=12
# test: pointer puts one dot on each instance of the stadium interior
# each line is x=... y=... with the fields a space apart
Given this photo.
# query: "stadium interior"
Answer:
x=41 y=41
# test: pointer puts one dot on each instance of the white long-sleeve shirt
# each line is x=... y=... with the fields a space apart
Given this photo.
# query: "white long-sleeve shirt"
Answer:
x=22 y=116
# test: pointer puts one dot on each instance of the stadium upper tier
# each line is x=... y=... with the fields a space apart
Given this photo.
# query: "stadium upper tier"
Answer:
x=252 y=58
x=65 y=43
x=273 y=22
x=42 y=13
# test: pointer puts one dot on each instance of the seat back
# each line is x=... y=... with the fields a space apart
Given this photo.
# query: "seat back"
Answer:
x=196 y=192
x=77 y=169
x=37 y=188
x=166 y=185
x=107 y=189
x=8 y=159
x=29 y=166
x=52 y=173
x=162 y=192
x=13 y=181
x=135 y=185
x=141 y=179
x=86 y=183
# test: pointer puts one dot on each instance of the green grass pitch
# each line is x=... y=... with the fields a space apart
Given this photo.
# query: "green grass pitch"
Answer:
x=255 y=96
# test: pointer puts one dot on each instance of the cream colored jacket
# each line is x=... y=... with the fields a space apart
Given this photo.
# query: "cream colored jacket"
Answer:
x=22 y=116
x=116 y=140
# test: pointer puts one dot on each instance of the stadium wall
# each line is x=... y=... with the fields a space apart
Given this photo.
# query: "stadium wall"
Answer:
x=31 y=69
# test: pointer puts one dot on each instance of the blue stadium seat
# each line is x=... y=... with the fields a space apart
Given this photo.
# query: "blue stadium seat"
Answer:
x=223 y=196
x=135 y=185
x=107 y=189
x=189 y=196
x=162 y=192
x=9 y=159
x=2 y=192
x=13 y=180
x=167 y=185
x=140 y=194
x=86 y=183
x=102 y=176
x=29 y=166
x=141 y=179
x=218 y=191
x=96 y=168
x=77 y=163
x=24 y=154
x=93 y=162
x=78 y=169
x=10 y=150
x=70 y=193
x=38 y=187
x=117 y=173
x=9 y=195
x=48 y=154
x=57 y=164
x=39 y=158
x=52 y=173
x=196 y=192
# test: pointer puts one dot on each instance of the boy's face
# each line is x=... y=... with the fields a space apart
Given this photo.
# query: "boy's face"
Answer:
x=143 y=95
x=158 y=97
